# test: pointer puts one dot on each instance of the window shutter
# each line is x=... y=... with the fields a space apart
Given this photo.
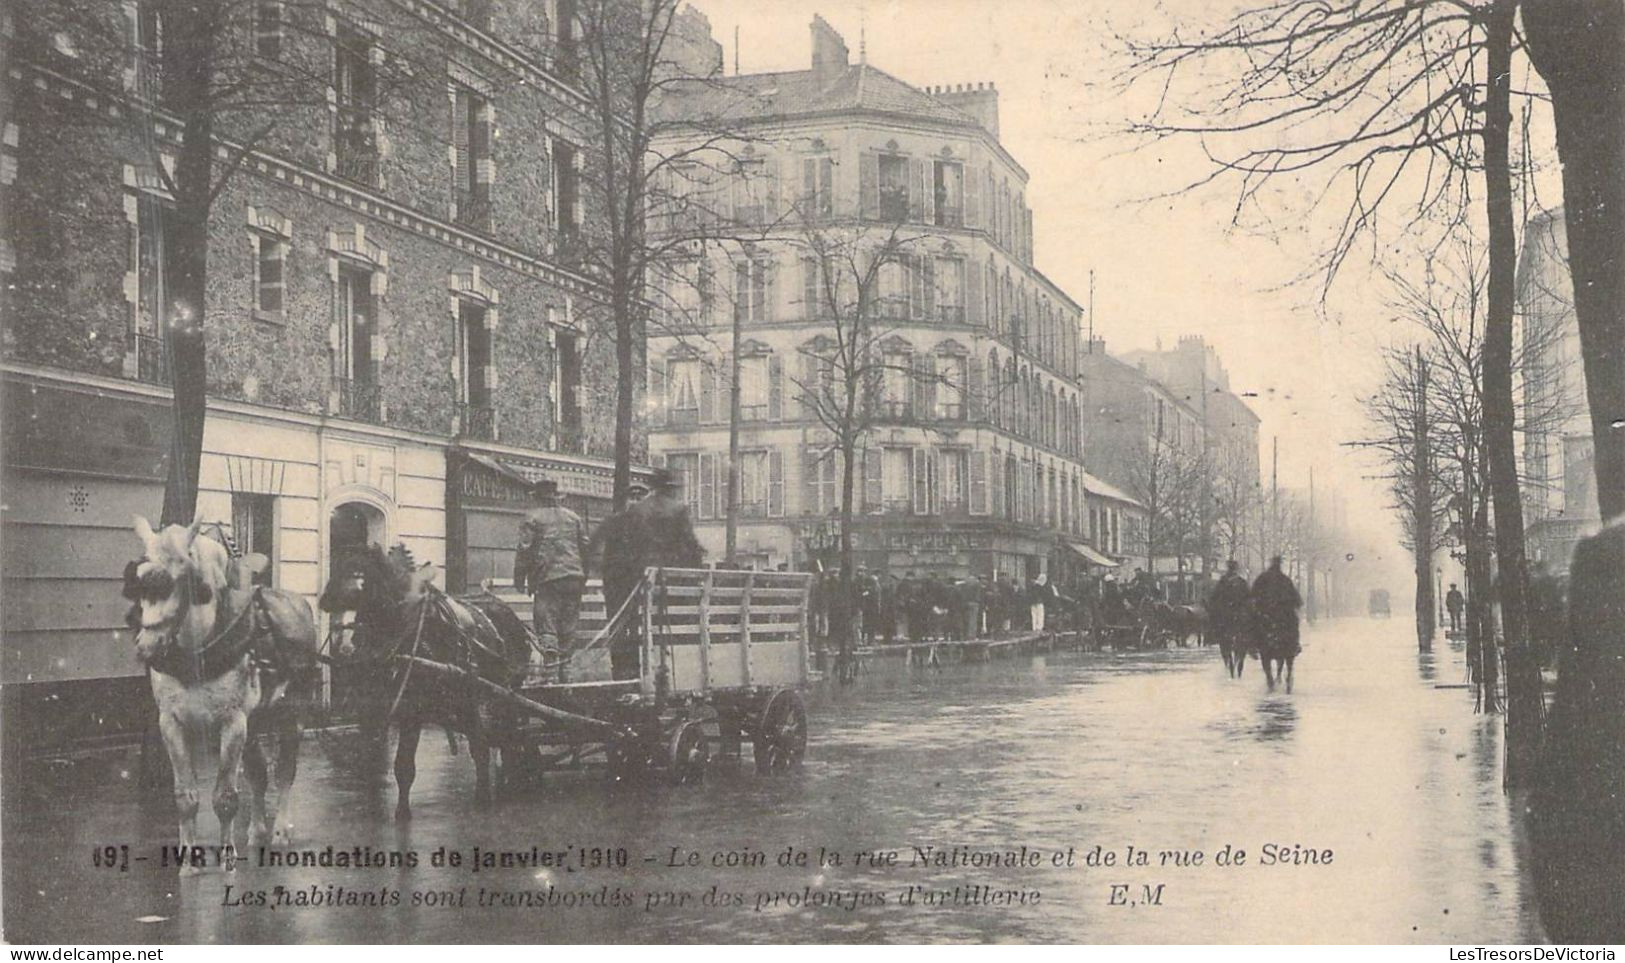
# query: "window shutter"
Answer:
x=826 y=187
x=775 y=390
x=708 y=485
x=809 y=288
x=928 y=267
x=659 y=390
x=775 y=483
x=462 y=178
x=971 y=395
x=809 y=188
x=916 y=192
x=922 y=384
x=934 y=465
x=973 y=295
x=869 y=186
x=809 y=388
x=978 y=483
x=479 y=141
x=873 y=490
x=770 y=193
x=578 y=160
x=928 y=192
x=742 y=291
x=708 y=392
x=769 y=274
x=973 y=206
x=922 y=492
x=995 y=483
x=809 y=481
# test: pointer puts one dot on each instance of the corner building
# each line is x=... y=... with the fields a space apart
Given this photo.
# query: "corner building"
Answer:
x=975 y=464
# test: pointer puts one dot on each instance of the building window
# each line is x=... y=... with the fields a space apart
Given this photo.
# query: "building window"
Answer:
x=823 y=485
x=693 y=295
x=476 y=12
x=270 y=273
x=893 y=172
x=761 y=484
x=948 y=190
x=474 y=364
x=268 y=29
x=752 y=190
x=253 y=528
x=683 y=391
x=567 y=348
x=750 y=291
x=897 y=395
x=357 y=371
x=815 y=289
x=566 y=187
x=818 y=188
x=149 y=50
x=156 y=278
x=355 y=83
x=754 y=388
x=950 y=280
x=471 y=168
x=564 y=38
x=954 y=480
x=952 y=375
x=897 y=480
x=685 y=468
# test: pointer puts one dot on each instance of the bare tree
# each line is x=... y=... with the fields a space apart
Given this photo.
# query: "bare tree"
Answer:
x=1170 y=482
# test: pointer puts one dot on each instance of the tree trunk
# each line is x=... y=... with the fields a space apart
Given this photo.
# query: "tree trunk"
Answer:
x=842 y=627
x=1579 y=48
x=1577 y=807
x=1422 y=510
x=1500 y=411
x=731 y=527
x=188 y=75
x=625 y=390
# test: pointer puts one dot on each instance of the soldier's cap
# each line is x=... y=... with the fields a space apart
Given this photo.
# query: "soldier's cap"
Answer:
x=662 y=480
x=637 y=488
x=544 y=488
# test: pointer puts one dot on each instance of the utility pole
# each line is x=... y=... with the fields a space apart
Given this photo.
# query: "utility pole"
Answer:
x=1310 y=549
x=730 y=549
x=1275 y=497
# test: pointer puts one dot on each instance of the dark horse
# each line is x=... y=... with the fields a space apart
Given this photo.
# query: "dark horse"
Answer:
x=401 y=618
x=1177 y=624
x=1275 y=603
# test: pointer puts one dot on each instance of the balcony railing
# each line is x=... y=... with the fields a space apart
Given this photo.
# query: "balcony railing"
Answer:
x=897 y=410
x=360 y=399
x=151 y=361
x=477 y=421
x=951 y=313
x=355 y=150
x=474 y=210
x=950 y=215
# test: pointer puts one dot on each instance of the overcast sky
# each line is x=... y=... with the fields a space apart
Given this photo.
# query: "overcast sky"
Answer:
x=1162 y=269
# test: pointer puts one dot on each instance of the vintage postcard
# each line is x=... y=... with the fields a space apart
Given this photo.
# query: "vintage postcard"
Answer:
x=813 y=471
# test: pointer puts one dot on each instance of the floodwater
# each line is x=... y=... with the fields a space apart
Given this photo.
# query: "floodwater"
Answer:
x=1390 y=780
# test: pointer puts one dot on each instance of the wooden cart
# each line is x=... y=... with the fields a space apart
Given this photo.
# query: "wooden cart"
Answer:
x=723 y=657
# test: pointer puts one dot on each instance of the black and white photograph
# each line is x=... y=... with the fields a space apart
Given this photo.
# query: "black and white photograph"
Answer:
x=1111 y=472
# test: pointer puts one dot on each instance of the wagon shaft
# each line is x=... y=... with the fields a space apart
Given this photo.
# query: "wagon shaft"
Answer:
x=530 y=706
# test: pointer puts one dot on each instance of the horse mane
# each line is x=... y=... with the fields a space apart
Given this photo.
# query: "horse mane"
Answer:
x=176 y=546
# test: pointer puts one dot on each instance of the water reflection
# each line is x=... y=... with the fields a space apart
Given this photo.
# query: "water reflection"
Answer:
x=1157 y=750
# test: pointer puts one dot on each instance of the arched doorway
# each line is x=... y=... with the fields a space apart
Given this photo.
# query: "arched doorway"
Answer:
x=351 y=527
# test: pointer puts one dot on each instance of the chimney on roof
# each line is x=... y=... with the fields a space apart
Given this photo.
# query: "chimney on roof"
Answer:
x=981 y=101
x=829 y=53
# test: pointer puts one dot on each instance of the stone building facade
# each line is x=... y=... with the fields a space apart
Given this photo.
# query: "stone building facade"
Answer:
x=974 y=459
x=398 y=334
x=1560 y=493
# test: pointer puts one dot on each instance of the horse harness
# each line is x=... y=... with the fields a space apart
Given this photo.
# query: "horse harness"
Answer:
x=245 y=634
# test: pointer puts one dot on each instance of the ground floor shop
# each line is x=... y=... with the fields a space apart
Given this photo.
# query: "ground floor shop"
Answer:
x=84 y=455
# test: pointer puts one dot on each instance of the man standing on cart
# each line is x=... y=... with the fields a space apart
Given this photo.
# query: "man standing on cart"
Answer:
x=656 y=531
x=552 y=542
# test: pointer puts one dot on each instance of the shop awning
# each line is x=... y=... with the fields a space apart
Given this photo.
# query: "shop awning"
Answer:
x=1090 y=555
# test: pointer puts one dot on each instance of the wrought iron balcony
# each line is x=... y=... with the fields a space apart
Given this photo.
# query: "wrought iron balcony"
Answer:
x=361 y=399
x=151 y=361
x=477 y=421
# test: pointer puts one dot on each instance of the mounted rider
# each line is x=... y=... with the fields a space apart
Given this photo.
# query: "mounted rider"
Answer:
x=1275 y=611
x=1227 y=604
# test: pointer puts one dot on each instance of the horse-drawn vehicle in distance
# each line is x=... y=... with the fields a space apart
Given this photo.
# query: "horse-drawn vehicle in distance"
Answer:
x=1377 y=604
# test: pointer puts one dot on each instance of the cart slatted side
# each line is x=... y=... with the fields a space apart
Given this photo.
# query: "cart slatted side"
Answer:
x=717 y=630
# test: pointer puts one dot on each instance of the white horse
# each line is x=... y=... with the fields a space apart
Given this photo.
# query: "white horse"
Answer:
x=222 y=657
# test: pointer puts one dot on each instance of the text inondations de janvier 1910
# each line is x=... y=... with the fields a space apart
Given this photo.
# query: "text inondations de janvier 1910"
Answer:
x=752 y=879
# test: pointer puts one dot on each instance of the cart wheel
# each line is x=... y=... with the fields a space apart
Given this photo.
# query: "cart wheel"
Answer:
x=687 y=753
x=781 y=737
x=1145 y=636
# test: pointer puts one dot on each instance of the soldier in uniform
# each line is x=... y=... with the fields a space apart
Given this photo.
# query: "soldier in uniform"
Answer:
x=548 y=564
x=655 y=531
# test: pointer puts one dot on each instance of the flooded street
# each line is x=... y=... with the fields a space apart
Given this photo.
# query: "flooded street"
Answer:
x=1398 y=779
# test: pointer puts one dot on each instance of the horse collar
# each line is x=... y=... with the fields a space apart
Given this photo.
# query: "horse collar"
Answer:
x=224 y=649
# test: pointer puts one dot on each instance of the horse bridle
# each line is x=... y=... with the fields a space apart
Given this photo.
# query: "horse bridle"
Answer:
x=189 y=590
